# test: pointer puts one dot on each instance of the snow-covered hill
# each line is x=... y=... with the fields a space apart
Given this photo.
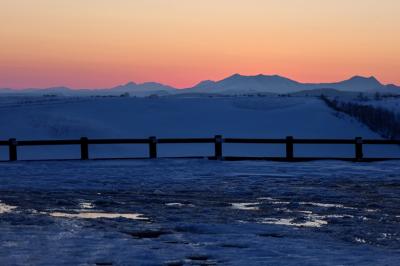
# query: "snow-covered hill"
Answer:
x=264 y=117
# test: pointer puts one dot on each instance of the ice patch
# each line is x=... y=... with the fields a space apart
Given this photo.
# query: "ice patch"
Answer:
x=4 y=208
x=247 y=206
x=97 y=215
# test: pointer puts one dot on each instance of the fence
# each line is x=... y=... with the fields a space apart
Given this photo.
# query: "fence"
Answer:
x=218 y=142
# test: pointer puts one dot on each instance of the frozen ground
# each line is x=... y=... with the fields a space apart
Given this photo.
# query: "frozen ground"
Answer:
x=199 y=212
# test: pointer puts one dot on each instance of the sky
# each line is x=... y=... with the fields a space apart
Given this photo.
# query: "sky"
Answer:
x=103 y=43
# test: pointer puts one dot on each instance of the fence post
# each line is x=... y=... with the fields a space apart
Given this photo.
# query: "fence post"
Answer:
x=84 y=148
x=289 y=148
x=153 y=147
x=359 y=148
x=218 y=147
x=12 y=146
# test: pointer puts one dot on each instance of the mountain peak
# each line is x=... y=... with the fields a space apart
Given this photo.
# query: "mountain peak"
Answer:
x=368 y=82
x=133 y=87
x=258 y=76
x=238 y=83
x=362 y=78
x=130 y=83
x=205 y=82
x=253 y=83
x=235 y=76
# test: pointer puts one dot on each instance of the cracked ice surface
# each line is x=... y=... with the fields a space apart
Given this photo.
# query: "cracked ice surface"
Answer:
x=185 y=212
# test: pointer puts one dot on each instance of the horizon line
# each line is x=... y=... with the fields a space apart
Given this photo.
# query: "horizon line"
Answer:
x=197 y=83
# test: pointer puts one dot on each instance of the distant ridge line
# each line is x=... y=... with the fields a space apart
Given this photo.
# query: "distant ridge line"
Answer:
x=234 y=84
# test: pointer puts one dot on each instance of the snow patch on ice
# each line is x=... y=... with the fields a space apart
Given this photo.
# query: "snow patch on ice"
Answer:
x=284 y=210
x=326 y=205
x=97 y=215
x=311 y=219
x=178 y=204
x=4 y=208
x=291 y=222
x=86 y=205
x=280 y=202
x=247 y=206
x=338 y=216
x=274 y=201
x=360 y=240
x=385 y=236
x=265 y=198
x=240 y=174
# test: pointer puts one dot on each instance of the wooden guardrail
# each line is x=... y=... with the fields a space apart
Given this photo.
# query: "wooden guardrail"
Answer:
x=218 y=142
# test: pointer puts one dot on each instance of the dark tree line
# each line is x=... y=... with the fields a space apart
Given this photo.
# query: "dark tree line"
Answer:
x=384 y=122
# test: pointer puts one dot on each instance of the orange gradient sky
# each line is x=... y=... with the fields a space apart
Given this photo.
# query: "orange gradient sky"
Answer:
x=102 y=43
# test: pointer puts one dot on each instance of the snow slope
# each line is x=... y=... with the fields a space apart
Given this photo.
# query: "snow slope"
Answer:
x=265 y=117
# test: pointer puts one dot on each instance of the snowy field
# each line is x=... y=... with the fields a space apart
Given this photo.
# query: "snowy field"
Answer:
x=28 y=118
x=199 y=212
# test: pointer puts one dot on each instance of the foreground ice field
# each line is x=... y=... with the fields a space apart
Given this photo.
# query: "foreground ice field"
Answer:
x=199 y=212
